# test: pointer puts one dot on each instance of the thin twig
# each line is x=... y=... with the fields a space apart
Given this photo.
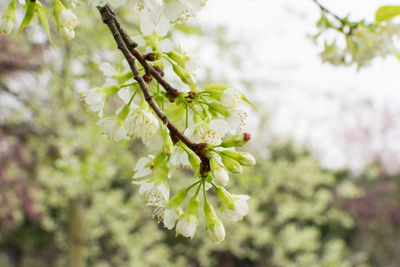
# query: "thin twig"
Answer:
x=172 y=93
x=326 y=10
x=124 y=42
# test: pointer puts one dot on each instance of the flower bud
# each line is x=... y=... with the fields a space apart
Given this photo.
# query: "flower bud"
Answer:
x=188 y=222
x=221 y=177
x=179 y=58
x=193 y=158
x=247 y=159
x=215 y=228
x=151 y=56
x=243 y=158
x=147 y=78
x=173 y=210
x=183 y=74
x=168 y=145
x=236 y=140
x=231 y=164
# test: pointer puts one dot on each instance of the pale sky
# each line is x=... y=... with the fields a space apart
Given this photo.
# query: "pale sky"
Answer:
x=311 y=102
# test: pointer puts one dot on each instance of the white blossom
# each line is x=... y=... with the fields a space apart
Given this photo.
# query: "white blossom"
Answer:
x=170 y=218
x=143 y=167
x=178 y=11
x=236 y=120
x=238 y=210
x=221 y=177
x=174 y=11
x=148 y=26
x=180 y=158
x=154 y=192
x=231 y=98
x=68 y=34
x=142 y=123
x=94 y=98
x=154 y=189
x=217 y=233
x=186 y=227
x=211 y=132
x=107 y=69
x=113 y=128
x=68 y=21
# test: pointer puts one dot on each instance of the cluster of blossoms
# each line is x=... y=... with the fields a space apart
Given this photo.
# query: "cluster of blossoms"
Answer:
x=212 y=118
x=358 y=43
x=158 y=14
x=66 y=19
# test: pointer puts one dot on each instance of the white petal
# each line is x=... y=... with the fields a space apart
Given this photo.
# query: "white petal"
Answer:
x=107 y=69
x=170 y=218
x=141 y=163
x=186 y=228
x=166 y=45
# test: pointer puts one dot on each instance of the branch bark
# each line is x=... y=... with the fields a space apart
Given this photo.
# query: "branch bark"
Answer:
x=172 y=93
x=128 y=49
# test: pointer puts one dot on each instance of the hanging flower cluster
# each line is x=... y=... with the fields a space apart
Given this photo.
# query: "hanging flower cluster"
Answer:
x=155 y=14
x=189 y=127
x=358 y=42
x=212 y=118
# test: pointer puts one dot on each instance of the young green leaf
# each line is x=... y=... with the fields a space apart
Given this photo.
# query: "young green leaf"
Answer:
x=175 y=112
x=42 y=12
x=386 y=13
x=28 y=15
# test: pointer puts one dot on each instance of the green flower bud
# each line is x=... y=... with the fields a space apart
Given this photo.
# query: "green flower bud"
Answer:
x=173 y=210
x=179 y=58
x=231 y=164
x=226 y=198
x=236 y=140
x=188 y=222
x=183 y=74
x=243 y=158
x=168 y=145
x=193 y=158
x=177 y=199
x=215 y=228
x=221 y=177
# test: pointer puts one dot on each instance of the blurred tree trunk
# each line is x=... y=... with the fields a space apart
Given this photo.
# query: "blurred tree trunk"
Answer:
x=76 y=255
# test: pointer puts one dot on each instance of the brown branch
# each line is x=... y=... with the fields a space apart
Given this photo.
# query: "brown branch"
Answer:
x=109 y=18
x=172 y=93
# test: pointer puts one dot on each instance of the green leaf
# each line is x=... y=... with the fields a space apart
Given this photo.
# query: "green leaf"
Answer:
x=386 y=13
x=175 y=112
x=42 y=12
x=28 y=16
x=398 y=56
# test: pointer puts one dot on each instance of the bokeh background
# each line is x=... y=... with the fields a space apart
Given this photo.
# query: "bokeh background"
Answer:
x=325 y=190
